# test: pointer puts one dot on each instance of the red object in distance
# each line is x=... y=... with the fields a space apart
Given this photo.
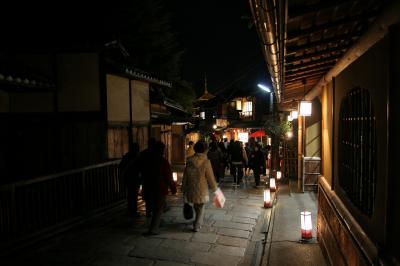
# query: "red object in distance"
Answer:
x=258 y=133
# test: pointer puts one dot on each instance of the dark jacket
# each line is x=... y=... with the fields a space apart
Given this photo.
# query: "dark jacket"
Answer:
x=157 y=176
x=257 y=160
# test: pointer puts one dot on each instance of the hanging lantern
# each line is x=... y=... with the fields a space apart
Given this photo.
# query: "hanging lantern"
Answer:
x=305 y=108
x=306 y=225
x=175 y=176
x=267 y=198
x=272 y=185
x=294 y=114
x=278 y=175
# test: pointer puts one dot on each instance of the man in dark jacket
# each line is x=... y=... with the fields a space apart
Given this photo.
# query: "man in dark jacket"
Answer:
x=130 y=172
x=257 y=163
x=157 y=178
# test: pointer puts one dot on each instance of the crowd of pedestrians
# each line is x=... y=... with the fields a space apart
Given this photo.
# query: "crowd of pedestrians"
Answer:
x=206 y=164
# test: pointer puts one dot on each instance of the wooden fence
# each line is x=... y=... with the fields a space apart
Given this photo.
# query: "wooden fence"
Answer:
x=33 y=206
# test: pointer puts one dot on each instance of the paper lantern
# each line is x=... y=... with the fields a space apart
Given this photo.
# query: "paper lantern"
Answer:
x=267 y=198
x=278 y=175
x=305 y=108
x=272 y=185
x=175 y=176
x=306 y=225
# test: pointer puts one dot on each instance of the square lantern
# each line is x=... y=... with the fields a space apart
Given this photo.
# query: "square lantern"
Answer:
x=272 y=185
x=306 y=225
x=305 y=108
x=278 y=175
x=294 y=114
x=175 y=176
x=267 y=198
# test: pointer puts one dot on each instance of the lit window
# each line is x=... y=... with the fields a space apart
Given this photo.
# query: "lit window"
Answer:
x=247 y=109
x=238 y=105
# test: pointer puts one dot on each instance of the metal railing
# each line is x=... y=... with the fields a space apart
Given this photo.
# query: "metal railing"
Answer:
x=33 y=205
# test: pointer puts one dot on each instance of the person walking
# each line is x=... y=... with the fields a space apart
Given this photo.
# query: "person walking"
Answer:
x=215 y=156
x=239 y=159
x=130 y=172
x=257 y=163
x=198 y=175
x=156 y=182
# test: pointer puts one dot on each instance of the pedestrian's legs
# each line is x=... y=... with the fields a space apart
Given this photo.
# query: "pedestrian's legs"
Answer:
x=240 y=173
x=256 y=171
x=157 y=209
x=234 y=172
x=198 y=222
x=222 y=171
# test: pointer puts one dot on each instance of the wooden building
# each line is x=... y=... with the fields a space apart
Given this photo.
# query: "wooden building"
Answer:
x=343 y=56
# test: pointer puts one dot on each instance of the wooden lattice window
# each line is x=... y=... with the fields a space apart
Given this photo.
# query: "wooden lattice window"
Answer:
x=357 y=149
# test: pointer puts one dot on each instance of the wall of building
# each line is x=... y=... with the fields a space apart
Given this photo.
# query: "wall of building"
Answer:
x=78 y=82
x=370 y=72
x=118 y=113
x=140 y=102
x=117 y=99
x=393 y=216
x=346 y=234
x=178 y=144
x=327 y=131
x=313 y=131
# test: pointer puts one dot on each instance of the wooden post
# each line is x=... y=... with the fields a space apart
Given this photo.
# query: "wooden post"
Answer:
x=300 y=153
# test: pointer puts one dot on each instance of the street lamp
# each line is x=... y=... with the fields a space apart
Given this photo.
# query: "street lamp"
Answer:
x=263 y=87
x=271 y=99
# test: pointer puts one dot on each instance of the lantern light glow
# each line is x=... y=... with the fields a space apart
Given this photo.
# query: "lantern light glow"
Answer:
x=305 y=108
x=267 y=198
x=306 y=225
x=175 y=176
x=278 y=175
x=272 y=184
x=294 y=114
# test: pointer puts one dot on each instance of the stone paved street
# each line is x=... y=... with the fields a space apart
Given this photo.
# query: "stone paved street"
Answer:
x=229 y=236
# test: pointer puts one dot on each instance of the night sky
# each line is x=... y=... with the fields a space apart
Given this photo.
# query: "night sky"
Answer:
x=213 y=34
x=217 y=40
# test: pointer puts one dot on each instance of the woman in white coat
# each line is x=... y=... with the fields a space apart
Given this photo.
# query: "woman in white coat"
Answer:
x=198 y=175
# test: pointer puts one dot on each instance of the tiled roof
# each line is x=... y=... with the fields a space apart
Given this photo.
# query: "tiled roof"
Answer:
x=23 y=80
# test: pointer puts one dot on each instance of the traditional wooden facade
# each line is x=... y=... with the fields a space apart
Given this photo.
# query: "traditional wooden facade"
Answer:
x=68 y=111
x=343 y=56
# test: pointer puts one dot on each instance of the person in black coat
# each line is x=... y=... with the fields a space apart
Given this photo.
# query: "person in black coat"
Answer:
x=257 y=163
x=130 y=172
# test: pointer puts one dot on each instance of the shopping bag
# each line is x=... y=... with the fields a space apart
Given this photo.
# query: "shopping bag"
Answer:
x=219 y=199
x=187 y=211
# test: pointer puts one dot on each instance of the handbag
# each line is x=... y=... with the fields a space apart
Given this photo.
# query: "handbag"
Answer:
x=187 y=211
x=219 y=199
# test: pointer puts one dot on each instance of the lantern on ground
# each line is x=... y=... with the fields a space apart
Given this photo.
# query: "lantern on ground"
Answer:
x=278 y=175
x=272 y=185
x=175 y=176
x=267 y=198
x=306 y=225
